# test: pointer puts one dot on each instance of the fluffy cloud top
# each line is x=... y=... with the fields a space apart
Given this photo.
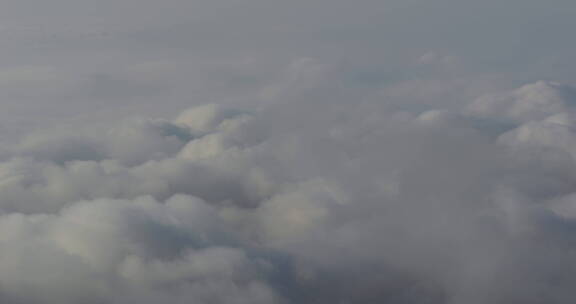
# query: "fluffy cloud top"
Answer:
x=368 y=204
x=530 y=102
x=319 y=151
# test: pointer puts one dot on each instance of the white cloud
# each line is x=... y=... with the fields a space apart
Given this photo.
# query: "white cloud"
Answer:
x=530 y=102
x=298 y=202
x=319 y=161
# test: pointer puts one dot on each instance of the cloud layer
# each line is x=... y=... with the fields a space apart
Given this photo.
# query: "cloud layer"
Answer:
x=309 y=199
x=287 y=152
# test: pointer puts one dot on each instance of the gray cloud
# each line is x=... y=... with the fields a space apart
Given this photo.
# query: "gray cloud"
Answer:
x=310 y=152
x=301 y=201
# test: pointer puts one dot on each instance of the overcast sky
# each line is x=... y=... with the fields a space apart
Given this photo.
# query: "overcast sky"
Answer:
x=63 y=60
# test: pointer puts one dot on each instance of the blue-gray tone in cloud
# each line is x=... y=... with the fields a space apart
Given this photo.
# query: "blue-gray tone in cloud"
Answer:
x=287 y=152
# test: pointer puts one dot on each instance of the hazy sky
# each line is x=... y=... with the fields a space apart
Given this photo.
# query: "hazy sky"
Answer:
x=70 y=59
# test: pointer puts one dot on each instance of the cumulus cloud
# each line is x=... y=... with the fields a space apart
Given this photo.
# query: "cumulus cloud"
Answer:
x=287 y=152
x=300 y=201
x=128 y=251
x=530 y=102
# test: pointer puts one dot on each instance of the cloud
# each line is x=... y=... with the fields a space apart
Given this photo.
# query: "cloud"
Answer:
x=304 y=200
x=119 y=251
x=304 y=151
x=532 y=101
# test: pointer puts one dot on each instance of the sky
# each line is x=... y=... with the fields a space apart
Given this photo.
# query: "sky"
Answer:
x=287 y=152
x=65 y=60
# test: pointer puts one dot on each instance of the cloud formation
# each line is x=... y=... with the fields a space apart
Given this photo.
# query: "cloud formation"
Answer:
x=287 y=152
x=305 y=200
